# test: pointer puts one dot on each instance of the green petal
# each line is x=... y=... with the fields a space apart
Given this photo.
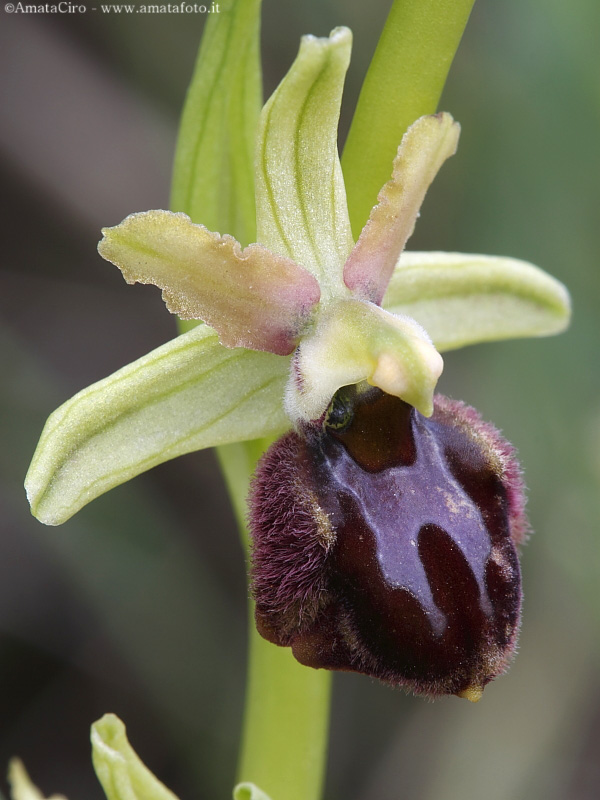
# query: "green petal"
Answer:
x=248 y=791
x=213 y=176
x=122 y=775
x=464 y=299
x=21 y=786
x=355 y=341
x=424 y=148
x=300 y=195
x=188 y=394
x=253 y=298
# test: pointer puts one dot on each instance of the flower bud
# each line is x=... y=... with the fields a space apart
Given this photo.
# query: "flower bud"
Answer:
x=384 y=542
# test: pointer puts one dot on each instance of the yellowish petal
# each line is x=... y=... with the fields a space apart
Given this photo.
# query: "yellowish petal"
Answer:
x=253 y=298
x=424 y=148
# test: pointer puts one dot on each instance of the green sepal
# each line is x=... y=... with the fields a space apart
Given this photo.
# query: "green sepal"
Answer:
x=464 y=299
x=356 y=341
x=119 y=769
x=301 y=210
x=213 y=178
x=21 y=785
x=248 y=791
x=189 y=394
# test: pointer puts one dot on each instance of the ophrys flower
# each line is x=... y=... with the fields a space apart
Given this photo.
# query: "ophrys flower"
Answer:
x=299 y=309
x=288 y=322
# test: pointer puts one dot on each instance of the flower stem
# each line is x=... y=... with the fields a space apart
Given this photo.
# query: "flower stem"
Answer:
x=404 y=81
x=284 y=743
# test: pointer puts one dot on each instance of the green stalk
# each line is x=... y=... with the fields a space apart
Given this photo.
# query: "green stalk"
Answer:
x=404 y=81
x=284 y=744
x=286 y=725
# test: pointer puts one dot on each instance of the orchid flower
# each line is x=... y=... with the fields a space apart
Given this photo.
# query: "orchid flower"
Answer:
x=291 y=319
x=334 y=346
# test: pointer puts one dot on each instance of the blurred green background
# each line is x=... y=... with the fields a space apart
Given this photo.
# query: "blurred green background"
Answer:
x=137 y=606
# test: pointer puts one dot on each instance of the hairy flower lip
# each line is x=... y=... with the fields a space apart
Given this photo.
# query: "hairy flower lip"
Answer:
x=431 y=603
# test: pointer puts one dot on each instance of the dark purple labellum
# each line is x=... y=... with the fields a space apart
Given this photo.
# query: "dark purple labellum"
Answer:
x=385 y=543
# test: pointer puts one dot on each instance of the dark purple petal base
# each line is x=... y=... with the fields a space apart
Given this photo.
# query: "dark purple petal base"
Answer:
x=386 y=543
